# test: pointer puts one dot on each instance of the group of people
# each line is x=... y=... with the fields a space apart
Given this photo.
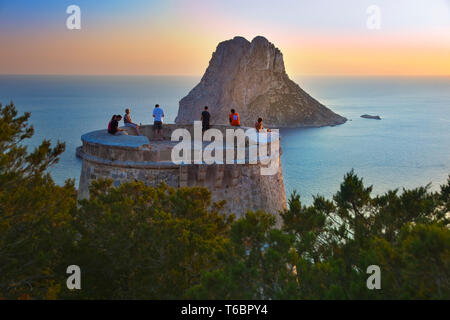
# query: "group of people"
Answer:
x=158 y=116
x=233 y=119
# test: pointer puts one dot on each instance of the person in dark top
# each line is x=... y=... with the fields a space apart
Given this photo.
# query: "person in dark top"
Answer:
x=114 y=128
x=109 y=124
x=205 y=119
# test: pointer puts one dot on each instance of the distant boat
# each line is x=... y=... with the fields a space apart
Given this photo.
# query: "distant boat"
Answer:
x=368 y=116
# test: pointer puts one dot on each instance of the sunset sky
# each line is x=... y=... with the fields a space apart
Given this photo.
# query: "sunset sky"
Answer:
x=176 y=37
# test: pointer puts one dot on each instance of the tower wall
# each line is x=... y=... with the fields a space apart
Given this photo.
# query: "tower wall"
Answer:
x=132 y=158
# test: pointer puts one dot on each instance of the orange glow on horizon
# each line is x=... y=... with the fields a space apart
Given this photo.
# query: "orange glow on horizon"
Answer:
x=186 y=53
x=179 y=37
x=369 y=56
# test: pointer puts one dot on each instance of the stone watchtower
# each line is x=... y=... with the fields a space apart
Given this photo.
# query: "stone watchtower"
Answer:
x=139 y=158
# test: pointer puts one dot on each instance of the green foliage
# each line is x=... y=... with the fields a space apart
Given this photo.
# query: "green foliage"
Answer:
x=141 y=242
x=34 y=212
x=259 y=264
x=323 y=250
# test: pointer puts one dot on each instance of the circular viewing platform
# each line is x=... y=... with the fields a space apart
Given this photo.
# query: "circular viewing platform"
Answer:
x=236 y=179
x=133 y=150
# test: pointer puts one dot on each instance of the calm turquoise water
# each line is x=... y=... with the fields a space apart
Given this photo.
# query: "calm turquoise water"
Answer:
x=409 y=147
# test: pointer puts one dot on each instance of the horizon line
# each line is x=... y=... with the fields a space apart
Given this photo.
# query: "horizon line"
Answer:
x=201 y=75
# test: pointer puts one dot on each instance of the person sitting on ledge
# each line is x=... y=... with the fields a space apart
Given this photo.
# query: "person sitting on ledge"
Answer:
x=234 y=118
x=129 y=123
x=109 y=124
x=259 y=125
x=114 y=128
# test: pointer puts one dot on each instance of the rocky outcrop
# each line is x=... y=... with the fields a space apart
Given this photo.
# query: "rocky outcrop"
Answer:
x=251 y=78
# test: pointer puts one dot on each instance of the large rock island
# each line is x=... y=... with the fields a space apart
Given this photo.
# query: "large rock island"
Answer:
x=251 y=78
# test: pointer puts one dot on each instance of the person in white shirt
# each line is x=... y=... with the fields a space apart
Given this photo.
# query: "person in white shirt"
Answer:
x=158 y=115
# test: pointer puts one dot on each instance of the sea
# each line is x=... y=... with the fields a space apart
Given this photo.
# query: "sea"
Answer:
x=408 y=148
